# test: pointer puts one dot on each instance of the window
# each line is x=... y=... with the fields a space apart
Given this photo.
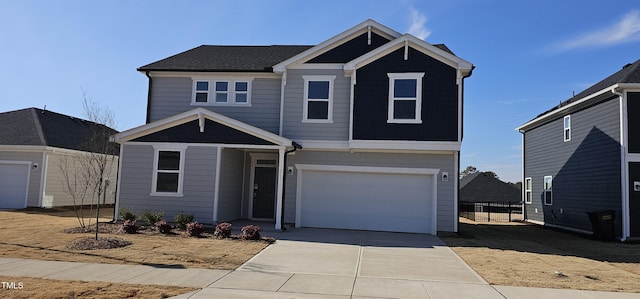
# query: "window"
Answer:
x=567 y=128
x=168 y=172
x=548 y=199
x=405 y=98
x=318 y=99
x=527 y=190
x=222 y=92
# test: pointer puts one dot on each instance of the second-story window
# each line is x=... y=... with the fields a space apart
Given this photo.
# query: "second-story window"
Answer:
x=567 y=128
x=222 y=92
x=318 y=99
x=405 y=98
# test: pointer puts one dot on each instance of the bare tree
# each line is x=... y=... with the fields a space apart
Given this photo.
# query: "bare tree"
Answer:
x=86 y=174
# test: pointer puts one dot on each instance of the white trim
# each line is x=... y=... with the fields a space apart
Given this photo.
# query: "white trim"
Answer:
x=336 y=41
x=231 y=91
x=624 y=166
x=456 y=191
x=530 y=190
x=566 y=129
x=405 y=145
x=116 y=211
x=324 y=144
x=279 y=188
x=43 y=178
x=181 y=148
x=204 y=75
x=351 y=103
x=254 y=163
x=306 y=99
x=216 y=191
x=28 y=165
x=544 y=190
x=283 y=83
x=392 y=99
x=316 y=66
x=433 y=172
x=236 y=146
x=195 y=114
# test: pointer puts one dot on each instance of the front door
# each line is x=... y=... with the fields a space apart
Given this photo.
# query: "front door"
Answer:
x=264 y=192
x=634 y=199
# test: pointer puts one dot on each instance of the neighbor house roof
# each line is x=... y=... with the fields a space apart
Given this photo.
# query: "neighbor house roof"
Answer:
x=207 y=58
x=37 y=127
x=484 y=187
x=629 y=74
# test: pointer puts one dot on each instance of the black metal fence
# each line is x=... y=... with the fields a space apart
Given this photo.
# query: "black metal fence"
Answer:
x=491 y=211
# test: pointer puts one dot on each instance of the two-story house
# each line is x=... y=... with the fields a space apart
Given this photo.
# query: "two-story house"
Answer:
x=583 y=156
x=362 y=131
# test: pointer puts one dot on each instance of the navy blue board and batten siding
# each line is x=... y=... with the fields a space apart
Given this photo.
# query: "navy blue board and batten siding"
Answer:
x=213 y=133
x=633 y=119
x=439 y=99
x=585 y=170
x=351 y=50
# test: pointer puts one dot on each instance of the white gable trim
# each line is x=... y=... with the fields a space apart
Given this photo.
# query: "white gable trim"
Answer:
x=416 y=43
x=198 y=114
x=336 y=41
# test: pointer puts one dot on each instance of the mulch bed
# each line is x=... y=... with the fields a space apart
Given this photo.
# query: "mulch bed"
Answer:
x=90 y=243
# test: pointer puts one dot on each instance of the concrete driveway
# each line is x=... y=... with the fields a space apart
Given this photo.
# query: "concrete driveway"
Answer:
x=326 y=263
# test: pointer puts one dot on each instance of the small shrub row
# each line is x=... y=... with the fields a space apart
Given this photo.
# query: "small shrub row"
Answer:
x=194 y=229
x=152 y=217
x=163 y=227
x=182 y=219
x=129 y=227
x=250 y=232
x=223 y=230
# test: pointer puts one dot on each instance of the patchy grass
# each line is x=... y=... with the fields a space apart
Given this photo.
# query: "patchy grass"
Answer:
x=521 y=254
x=48 y=288
x=40 y=234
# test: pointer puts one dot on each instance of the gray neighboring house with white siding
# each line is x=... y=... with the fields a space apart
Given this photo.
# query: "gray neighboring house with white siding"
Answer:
x=584 y=156
x=35 y=145
x=362 y=131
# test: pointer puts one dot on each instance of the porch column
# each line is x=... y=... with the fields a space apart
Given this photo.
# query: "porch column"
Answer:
x=280 y=188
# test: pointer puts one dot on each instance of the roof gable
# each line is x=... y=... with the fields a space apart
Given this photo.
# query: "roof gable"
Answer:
x=351 y=49
x=203 y=118
x=208 y=58
x=33 y=126
x=337 y=40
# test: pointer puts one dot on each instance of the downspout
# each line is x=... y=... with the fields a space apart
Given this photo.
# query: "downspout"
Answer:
x=624 y=177
x=149 y=97
x=296 y=147
x=522 y=175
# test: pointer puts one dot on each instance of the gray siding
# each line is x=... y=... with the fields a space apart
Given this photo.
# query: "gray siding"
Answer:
x=172 y=95
x=33 y=196
x=231 y=179
x=446 y=216
x=294 y=128
x=199 y=182
x=54 y=194
x=585 y=170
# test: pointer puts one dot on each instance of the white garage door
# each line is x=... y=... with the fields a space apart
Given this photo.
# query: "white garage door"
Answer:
x=14 y=179
x=367 y=198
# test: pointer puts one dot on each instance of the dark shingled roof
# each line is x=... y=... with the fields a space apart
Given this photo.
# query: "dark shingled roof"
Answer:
x=484 y=187
x=226 y=59
x=630 y=73
x=33 y=126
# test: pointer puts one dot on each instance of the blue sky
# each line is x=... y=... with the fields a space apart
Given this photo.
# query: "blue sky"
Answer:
x=529 y=55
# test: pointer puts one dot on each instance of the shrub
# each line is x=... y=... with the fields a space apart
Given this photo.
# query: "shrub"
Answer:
x=152 y=217
x=127 y=214
x=182 y=219
x=129 y=227
x=250 y=232
x=163 y=227
x=223 y=230
x=194 y=229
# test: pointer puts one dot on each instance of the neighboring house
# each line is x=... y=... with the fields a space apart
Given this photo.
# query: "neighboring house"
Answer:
x=485 y=187
x=34 y=143
x=584 y=156
x=361 y=131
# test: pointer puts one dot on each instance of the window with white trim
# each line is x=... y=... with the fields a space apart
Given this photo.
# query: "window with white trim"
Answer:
x=168 y=173
x=547 y=190
x=221 y=92
x=405 y=98
x=318 y=99
x=527 y=190
x=567 y=128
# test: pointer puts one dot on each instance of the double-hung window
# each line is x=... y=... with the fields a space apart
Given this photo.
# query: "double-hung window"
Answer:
x=548 y=193
x=318 y=99
x=527 y=190
x=221 y=92
x=168 y=172
x=405 y=98
x=567 y=128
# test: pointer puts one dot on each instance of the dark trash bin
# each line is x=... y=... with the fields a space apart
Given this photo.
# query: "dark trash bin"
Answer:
x=602 y=225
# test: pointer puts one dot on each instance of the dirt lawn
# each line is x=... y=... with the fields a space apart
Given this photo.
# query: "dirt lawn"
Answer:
x=520 y=254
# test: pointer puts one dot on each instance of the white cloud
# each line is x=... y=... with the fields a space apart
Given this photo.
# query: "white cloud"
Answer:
x=626 y=30
x=417 y=27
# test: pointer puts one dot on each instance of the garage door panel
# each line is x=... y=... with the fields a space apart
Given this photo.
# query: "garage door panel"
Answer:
x=370 y=201
x=14 y=179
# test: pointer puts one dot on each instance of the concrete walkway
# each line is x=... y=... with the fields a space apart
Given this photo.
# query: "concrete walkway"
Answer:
x=317 y=263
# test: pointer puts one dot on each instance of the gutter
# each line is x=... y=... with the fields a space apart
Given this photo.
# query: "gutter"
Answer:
x=624 y=177
x=296 y=147
x=149 y=96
